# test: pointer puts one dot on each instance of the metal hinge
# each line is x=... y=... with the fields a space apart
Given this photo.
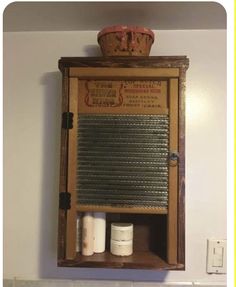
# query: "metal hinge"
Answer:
x=67 y=120
x=64 y=200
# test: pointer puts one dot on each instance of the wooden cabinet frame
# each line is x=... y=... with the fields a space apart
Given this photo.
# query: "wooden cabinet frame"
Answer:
x=172 y=69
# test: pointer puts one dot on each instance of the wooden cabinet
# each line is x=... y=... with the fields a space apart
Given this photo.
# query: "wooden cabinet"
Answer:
x=123 y=153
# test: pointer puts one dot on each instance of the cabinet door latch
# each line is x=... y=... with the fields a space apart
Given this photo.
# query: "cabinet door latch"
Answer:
x=173 y=158
x=64 y=200
x=67 y=120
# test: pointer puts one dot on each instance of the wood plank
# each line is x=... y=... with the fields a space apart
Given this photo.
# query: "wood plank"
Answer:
x=63 y=169
x=181 y=189
x=122 y=73
x=72 y=164
x=127 y=111
x=138 y=260
x=104 y=208
x=131 y=62
x=173 y=176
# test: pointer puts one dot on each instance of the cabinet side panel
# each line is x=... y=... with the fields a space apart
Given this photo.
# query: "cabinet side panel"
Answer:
x=181 y=194
x=72 y=163
x=63 y=169
x=173 y=175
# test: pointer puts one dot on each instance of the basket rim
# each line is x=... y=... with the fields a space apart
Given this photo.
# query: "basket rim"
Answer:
x=125 y=28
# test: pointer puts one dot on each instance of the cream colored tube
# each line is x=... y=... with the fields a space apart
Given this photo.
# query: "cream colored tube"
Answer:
x=99 y=232
x=88 y=234
x=78 y=233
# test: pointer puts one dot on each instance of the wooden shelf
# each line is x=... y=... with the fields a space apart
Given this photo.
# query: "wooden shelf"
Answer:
x=138 y=260
x=109 y=209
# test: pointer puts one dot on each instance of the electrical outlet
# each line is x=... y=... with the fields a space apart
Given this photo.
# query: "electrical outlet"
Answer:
x=216 y=256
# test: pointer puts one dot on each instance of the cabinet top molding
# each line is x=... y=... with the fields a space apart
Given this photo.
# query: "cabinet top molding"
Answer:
x=125 y=62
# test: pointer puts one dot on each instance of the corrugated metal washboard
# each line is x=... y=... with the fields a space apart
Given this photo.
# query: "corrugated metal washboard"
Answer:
x=123 y=160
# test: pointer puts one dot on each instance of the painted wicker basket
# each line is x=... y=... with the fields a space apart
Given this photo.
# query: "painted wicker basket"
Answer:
x=125 y=41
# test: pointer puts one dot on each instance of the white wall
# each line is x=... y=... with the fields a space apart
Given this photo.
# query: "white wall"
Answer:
x=32 y=95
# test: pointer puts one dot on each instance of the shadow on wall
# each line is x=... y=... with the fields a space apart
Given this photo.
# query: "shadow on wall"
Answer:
x=92 y=51
x=52 y=83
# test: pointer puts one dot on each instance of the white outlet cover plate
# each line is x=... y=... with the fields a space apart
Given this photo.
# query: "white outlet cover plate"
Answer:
x=216 y=256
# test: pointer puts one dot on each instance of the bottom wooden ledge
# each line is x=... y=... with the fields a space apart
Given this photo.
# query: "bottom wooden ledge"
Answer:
x=113 y=209
x=138 y=260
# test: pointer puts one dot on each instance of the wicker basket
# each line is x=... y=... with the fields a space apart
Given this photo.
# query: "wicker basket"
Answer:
x=125 y=41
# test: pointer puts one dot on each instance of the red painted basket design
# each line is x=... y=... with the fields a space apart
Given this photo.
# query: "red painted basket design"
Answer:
x=125 y=41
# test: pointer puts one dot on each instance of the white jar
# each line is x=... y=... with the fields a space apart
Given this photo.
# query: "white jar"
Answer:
x=99 y=232
x=122 y=231
x=121 y=248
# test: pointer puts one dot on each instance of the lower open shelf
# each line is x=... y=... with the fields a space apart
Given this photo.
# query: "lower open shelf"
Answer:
x=138 y=260
x=149 y=246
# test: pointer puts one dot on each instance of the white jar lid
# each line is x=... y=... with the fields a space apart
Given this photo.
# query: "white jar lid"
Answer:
x=122 y=226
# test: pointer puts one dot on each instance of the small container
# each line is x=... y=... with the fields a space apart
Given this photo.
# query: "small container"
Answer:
x=99 y=232
x=122 y=231
x=125 y=41
x=79 y=233
x=88 y=234
x=121 y=248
